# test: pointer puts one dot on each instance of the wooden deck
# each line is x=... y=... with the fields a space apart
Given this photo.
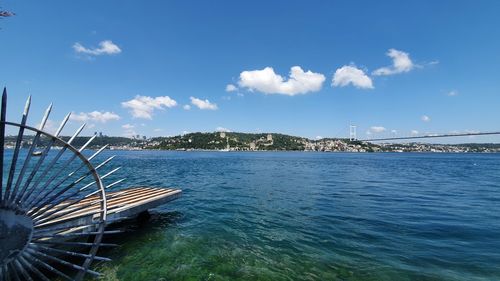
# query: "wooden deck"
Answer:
x=123 y=204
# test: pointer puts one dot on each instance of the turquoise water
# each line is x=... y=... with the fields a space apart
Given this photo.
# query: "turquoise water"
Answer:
x=313 y=216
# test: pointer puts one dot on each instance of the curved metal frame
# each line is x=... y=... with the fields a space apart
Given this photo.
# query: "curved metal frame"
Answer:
x=100 y=187
x=48 y=208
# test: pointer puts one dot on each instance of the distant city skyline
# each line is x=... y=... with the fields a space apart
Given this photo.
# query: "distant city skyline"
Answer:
x=307 y=69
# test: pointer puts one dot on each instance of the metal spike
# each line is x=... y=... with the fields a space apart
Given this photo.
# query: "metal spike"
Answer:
x=89 y=244
x=27 y=106
x=46 y=266
x=43 y=228
x=102 y=177
x=21 y=269
x=53 y=162
x=45 y=117
x=31 y=204
x=3 y=111
x=42 y=158
x=4 y=273
x=105 y=162
x=10 y=268
x=69 y=253
x=97 y=152
x=69 y=235
x=63 y=123
x=43 y=217
x=76 y=134
x=87 y=143
x=36 y=192
x=29 y=155
x=35 y=199
x=63 y=262
x=62 y=191
x=39 y=229
x=22 y=195
x=107 y=187
x=24 y=167
x=59 y=204
x=115 y=183
x=17 y=148
x=33 y=269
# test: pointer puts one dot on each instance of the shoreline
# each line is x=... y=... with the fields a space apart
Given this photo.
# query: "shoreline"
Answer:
x=308 y=151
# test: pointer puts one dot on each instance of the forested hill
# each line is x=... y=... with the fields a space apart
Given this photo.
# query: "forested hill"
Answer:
x=261 y=141
x=233 y=141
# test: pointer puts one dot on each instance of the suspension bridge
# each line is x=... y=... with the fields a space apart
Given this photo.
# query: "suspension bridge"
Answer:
x=353 y=136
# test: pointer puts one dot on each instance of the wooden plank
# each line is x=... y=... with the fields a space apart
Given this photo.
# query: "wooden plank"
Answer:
x=122 y=204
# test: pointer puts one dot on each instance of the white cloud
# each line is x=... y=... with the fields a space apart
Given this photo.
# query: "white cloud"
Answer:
x=106 y=47
x=203 y=104
x=222 y=129
x=401 y=62
x=268 y=82
x=143 y=106
x=425 y=118
x=394 y=132
x=377 y=129
x=94 y=116
x=128 y=130
x=231 y=88
x=186 y=107
x=414 y=132
x=128 y=126
x=452 y=93
x=158 y=130
x=350 y=74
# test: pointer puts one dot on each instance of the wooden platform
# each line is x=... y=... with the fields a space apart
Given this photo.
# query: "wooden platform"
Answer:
x=123 y=204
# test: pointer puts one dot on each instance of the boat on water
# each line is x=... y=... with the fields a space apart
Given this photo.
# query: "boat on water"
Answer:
x=36 y=153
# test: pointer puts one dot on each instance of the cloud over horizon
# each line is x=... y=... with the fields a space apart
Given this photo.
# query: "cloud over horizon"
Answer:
x=144 y=106
x=377 y=129
x=401 y=62
x=350 y=74
x=222 y=129
x=268 y=82
x=129 y=130
x=94 y=116
x=203 y=104
x=231 y=88
x=106 y=47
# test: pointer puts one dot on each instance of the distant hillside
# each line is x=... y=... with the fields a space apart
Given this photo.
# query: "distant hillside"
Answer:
x=262 y=142
x=249 y=141
x=242 y=141
x=79 y=141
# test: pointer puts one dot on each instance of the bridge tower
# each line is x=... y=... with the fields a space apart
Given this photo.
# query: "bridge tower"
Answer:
x=352 y=133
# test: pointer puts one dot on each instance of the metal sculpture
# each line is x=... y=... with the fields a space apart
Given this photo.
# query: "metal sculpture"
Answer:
x=44 y=184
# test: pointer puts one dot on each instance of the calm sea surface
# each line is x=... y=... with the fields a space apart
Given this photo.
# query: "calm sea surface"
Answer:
x=313 y=216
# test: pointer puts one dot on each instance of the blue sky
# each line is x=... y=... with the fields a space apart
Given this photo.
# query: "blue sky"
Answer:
x=135 y=67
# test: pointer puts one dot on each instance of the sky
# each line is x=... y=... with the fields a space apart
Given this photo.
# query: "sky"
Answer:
x=305 y=68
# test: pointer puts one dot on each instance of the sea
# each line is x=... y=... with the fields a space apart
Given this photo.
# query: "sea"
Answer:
x=311 y=216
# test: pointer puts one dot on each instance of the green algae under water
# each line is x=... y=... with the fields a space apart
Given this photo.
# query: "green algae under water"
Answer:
x=312 y=216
